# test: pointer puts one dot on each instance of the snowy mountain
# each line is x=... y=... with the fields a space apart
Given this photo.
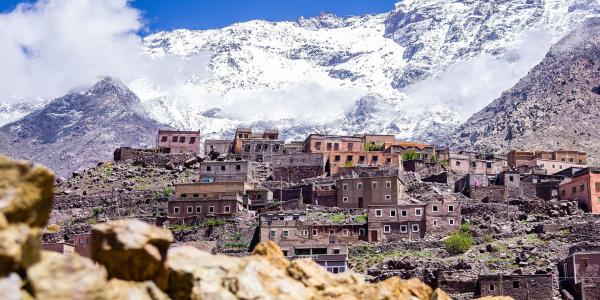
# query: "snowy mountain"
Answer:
x=390 y=73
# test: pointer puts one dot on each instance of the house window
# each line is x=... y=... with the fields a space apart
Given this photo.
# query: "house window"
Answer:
x=318 y=146
x=387 y=228
x=434 y=208
x=198 y=209
x=226 y=209
x=345 y=232
x=473 y=164
x=361 y=158
x=392 y=213
x=190 y=209
x=285 y=233
x=163 y=139
x=403 y=213
x=450 y=208
x=337 y=251
x=345 y=199
x=193 y=140
x=450 y=221
x=361 y=231
x=329 y=146
x=418 y=211
x=488 y=165
x=374 y=184
x=582 y=188
x=349 y=158
x=434 y=222
x=492 y=287
x=176 y=210
x=403 y=228
x=388 y=197
x=378 y=212
x=563 y=192
x=574 y=190
x=211 y=209
x=511 y=178
x=222 y=168
x=182 y=139
x=359 y=186
x=208 y=169
x=415 y=228
x=345 y=186
x=315 y=232
x=195 y=195
x=337 y=158
x=375 y=158
x=516 y=285
x=184 y=195
x=273 y=233
x=350 y=146
x=388 y=184
x=336 y=147
x=238 y=167
x=331 y=231
x=174 y=139
x=458 y=163
x=304 y=232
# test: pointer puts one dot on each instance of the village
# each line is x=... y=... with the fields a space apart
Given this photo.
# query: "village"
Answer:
x=519 y=224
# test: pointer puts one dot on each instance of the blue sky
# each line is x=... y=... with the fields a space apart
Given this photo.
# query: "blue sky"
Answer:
x=204 y=14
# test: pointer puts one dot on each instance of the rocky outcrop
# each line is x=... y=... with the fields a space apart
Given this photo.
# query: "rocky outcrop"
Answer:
x=133 y=261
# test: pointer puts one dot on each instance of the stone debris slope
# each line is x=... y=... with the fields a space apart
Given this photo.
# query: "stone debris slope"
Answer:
x=134 y=261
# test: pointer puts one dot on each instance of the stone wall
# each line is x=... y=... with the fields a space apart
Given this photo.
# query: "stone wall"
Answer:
x=296 y=173
x=151 y=157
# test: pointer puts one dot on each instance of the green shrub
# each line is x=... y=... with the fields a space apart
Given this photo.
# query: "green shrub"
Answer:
x=460 y=241
x=180 y=227
x=337 y=218
x=96 y=211
x=169 y=191
x=348 y=164
x=410 y=155
x=237 y=245
x=214 y=222
x=236 y=236
x=372 y=147
x=444 y=163
x=361 y=219
x=53 y=228
x=91 y=221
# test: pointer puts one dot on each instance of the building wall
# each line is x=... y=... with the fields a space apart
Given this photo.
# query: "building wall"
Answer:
x=369 y=190
x=178 y=141
x=261 y=150
x=225 y=171
x=553 y=166
x=519 y=287
x=180 y=208
x=442 y=216
x=586 y=188
x=62 y=248
x=82 y=243
x=315 y=143
x=220 y=146
x=466 y=165
x=210 y=190
x=293 y=168
x=340 y=159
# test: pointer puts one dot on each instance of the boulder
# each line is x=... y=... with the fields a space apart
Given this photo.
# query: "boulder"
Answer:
x=10 y=287
x=26 y=192
x=19 y=247
x=272 y=252
x=132 y=250
x=125 y=290
x=60 y=277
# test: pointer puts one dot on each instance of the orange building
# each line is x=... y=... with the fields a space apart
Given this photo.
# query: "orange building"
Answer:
x=584 y=186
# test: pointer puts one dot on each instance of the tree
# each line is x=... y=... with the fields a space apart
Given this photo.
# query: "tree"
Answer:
x=410 y=155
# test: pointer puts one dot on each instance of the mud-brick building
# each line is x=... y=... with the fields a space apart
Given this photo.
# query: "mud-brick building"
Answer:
x=257 y=199
x=218 y=146
x=261 y=150
x=363 y=192
x=63 y=248
x=176 y=141
x=580 y=274
x=412 y=220
x=226 y=171
x=298 y=166
x=584 y=186
x=82 y=242
x=519 y=287
x=549 y=161
x=252 y=139
x=421 y=151
x=201 y=200
x=476 y=163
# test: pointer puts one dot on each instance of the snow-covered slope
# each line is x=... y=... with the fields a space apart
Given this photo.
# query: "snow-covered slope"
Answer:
x=353 y=74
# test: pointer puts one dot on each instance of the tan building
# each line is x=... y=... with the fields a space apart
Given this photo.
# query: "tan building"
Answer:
x=477 y=164
x=366 y=191
x=422 y=151
x=261 y=150
x=218 y=146
x=175 y=141
x=245 y=134
x=545 y=162
x=226 y=171
x=201 y=200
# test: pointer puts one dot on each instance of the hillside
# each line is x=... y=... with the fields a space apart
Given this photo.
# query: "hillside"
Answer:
x=81 y=128
x=555 y=106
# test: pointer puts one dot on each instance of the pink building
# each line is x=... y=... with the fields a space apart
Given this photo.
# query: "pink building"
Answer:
x=174 y=141
x=585 y=187
x=82 y=243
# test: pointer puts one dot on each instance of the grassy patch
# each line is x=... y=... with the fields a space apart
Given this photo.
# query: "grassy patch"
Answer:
x=91 y=221
x=460 y=241
x=236 y=236
x=214 y=222
x=337 y=218
x=361 y=219
x=179 y=227
x=53 y=228
x=237 y=245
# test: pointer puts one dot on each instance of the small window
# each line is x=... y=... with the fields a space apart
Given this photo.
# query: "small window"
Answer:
x=211 y=209
x=388 y=184
x=415 y=228
x=388 y=197
x=81 y=241
x=450 y=221
x=516 y=284
x=190 y=209
x=403 y=213
x=563 y=192
x=345 y=232
x=350 y=146
x=183 y=195
x=349 y=158
x=450 y=208
x=337 y=158
x=345 y=186
x=182 y=139
x=336 y=146
x=329 y=146
x=331 y=231
x=387 y=228
x=208 y=169
x=511 y=178
x=574 y=190
x=434 y=208
x=345 y=199
x=337 y=251
x=458 y=163
x=361 y=158
x=195 y=195
x=488 y=165
x=222 y=168
x=582 y=188
x=318 y=146
x=378 y=212
x=304 y=232
x=285 y=233
x=176 y=210
x=492 y=287
x=374 y=184
x=163 y=139
x=473 y=164
x=392 y=213
x=418 y=211
x=192 y=140
x=227 y=209
x=315 y=232
x=375 y=158
x=273 y=233
x=435 y=222
x=361 y=231
x=198 y=209
x=174 y=139
x=238 y=167
x=359 y=186
x=403 y=228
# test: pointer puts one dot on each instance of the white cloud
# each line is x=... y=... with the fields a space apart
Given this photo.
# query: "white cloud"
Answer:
x=53 y=46
x=470 y=85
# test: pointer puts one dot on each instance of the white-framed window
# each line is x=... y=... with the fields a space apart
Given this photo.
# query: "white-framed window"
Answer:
x=198 y=209
x=176 y=210
x=388 y=197
x=450 y=208
x=403 y=228
x=434 y=208
x=435 y=222
x=450 y=221
x=345 y=199
x=374 y=184
x=285 y=233
x=415 y=227
x=345 y=232
x=378 y=212
x=315 y=232
x=388 y=184
x=304 y=232
x=331 y=231
x=361 y=231
x=403 y=213
x=392 y=213
x=190 y=209
x=387 y=228
x=359 y=185
x=211 y=209
x=345 y=186
x=226 y=209
x=273 y=233
x=418 y=211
